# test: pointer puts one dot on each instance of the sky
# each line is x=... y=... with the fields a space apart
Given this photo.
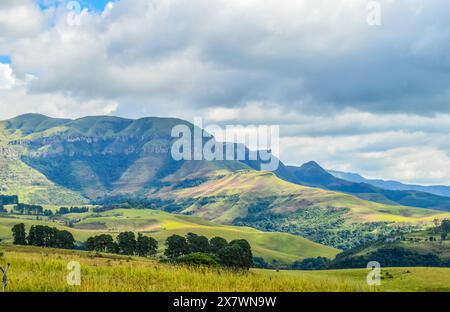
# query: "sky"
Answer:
x=356 y=85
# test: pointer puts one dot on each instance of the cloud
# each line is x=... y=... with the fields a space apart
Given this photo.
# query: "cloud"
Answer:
x=7 y=79
x=340 y=88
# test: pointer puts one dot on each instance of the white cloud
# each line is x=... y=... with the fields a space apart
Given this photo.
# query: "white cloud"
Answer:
x=343 y=91
x=7 y=79
x=19 y=18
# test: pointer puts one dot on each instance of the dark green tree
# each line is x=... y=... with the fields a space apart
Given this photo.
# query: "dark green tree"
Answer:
x=146 y=246
x=102 y=243
x=63 y=239
x=237 y=254
x=19 y=234
x=36 y=236
x=197 y=243
x=126 y=242
x=44 y=236
x=176 y=246
x=216 y=244
x=445 y=228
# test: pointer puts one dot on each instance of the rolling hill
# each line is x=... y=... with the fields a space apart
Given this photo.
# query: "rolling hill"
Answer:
x=280 y=247
x=262 y=200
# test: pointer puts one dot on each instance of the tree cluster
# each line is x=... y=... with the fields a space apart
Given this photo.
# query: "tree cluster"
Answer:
x=9 y=199
x=386 y=256
x=126 y=244
x=35 y=210
x=66 y=210
x=42 y=236
x=197 y=249
x=444 y=229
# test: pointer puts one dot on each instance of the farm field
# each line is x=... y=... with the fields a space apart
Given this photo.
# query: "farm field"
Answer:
x=37 y=270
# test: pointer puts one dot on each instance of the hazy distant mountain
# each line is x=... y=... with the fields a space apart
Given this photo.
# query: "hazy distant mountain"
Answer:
x=312 y=174
x=440 y=190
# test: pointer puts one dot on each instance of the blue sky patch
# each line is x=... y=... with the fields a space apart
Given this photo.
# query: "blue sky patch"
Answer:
x=5 y=59
x=91 y=5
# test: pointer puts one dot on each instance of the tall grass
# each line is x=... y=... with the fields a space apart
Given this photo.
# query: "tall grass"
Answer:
x=38 y=270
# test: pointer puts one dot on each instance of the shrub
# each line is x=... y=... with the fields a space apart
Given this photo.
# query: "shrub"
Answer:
x=199 y=258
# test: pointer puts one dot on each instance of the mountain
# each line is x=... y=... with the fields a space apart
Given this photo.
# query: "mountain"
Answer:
x=107 y=159
x=96 y=156
x=440 y=190
x=312 y=174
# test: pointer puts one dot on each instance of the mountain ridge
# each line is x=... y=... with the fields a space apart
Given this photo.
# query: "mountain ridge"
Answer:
x=312 y=174
x=440 y=190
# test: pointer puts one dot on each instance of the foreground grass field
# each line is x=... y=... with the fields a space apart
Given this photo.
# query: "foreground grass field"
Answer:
x=282 y=247
x=38 y=270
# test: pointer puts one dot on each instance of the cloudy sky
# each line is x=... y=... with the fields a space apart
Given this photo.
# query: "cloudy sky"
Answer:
x=354 y=96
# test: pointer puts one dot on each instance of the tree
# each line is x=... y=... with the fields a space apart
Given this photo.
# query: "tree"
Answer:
x=445 y=228
x=146 y=246
x=36 y=236
x=102 y=243
x=127 y=243
x=176 y=246
x=237 y=254
x=199 y=258
x=216 y=244
x=19 y=234
x=230 y=256
x=197 y=243
x=44 y=236
x=63 y=239
x=247 y=255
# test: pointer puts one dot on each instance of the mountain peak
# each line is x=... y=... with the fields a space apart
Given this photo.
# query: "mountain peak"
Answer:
x=311 y=173
x=30 y=123
x=312 y=165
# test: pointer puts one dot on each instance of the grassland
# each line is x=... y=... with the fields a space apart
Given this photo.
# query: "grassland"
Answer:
x=282 y=247
x=38 y=270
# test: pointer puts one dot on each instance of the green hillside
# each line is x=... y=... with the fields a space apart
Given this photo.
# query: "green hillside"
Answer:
x=261 y=200
x=282 y=247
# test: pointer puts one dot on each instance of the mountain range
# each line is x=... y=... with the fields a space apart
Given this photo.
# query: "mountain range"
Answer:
x=107 y=159
x=441 y=190
x=312 y=174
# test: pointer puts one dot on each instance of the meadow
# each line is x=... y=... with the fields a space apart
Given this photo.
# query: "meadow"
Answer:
x=45 y=270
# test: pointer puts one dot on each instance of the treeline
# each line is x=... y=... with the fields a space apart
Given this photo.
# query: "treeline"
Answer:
x=387 y=257
x=191 y=249
x=66 y=210
x=9 y=200
x=195 y=249
x=37 y=210
x=42 y=236
x=126 y=244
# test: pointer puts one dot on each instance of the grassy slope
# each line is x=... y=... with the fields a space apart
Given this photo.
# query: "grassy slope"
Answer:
x=38 y=270
x=280 y=246
x=17 y=178
x=417 y=241
x=253 y=185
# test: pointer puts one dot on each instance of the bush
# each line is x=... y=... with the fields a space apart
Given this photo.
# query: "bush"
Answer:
x=199 y=258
